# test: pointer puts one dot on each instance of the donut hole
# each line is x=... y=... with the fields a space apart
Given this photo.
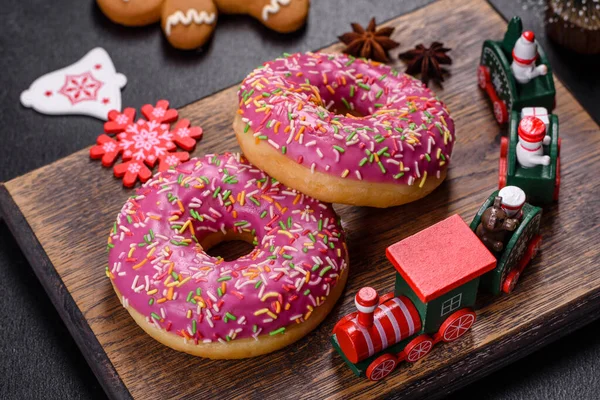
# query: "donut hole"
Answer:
x=337 y=94
x=229 y=246
x=334 y=103
x=339 y=108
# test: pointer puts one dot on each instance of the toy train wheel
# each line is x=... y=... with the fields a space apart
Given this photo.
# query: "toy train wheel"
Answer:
x=418 y=348
x=503 y=163
x=457 y=324
x=557 y=180
x=503 y=147
x=534 y=247
x=511 y=282
x=483 y=76
x=381 y=367
x=502 y=173
x=500 y=111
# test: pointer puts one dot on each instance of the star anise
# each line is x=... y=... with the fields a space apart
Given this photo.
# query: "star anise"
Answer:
x=369 y=43
x=427 y=62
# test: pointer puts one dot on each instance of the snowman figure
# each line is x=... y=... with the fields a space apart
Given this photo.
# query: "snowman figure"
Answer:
x=532 y=135
x=524 y=55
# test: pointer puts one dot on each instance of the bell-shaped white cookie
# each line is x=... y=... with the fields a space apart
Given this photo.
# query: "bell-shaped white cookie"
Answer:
x=91 y=86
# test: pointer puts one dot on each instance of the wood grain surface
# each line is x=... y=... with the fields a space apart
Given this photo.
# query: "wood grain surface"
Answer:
x=70 y=206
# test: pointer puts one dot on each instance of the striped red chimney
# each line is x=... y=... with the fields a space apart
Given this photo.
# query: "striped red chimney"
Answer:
x=366 y=301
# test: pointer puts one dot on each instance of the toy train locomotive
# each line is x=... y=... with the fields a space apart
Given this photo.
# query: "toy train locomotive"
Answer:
x=440 y=270
x=517 y=77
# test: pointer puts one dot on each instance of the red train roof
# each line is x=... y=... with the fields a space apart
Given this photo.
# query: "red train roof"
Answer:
x=441 y=258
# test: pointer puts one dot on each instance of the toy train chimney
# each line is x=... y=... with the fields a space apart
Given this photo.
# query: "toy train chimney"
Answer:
x=366 y=301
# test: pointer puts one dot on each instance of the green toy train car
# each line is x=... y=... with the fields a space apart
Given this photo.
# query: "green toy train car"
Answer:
x=541 y=183
x=522 y=246
x=496 y=77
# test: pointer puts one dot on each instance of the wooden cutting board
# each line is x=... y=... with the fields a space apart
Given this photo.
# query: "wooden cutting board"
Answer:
x=61 y=213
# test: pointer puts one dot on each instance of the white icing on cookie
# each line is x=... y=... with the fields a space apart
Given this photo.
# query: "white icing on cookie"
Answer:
x=273 y=8
x=195 y=16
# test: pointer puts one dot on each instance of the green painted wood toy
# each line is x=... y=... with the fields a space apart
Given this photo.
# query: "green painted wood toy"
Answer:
x=439 y=273
x=530 y=155
x=521 y=246
x=515 y=73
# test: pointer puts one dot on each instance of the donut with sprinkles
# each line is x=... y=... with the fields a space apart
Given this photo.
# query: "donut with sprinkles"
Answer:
x=344 y=130
x=206 y=306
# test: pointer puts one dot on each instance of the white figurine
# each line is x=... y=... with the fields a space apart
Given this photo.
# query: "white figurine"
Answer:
x=513 y=199
x=524 y=55
x=532 y=135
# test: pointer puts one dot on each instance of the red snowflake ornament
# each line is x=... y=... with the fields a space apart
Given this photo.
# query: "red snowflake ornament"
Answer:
x=143 y=142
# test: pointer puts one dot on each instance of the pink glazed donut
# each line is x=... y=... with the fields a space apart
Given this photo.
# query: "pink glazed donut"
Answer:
x=344 y=130
x=203 y=305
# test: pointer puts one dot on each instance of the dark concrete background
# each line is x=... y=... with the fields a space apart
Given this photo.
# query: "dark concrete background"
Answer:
x=38 y=358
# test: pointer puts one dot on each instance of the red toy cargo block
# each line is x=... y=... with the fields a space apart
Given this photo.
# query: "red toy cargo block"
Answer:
x=441 y=258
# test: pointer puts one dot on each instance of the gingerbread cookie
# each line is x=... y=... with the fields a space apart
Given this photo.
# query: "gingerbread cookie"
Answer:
x=132 y=12
x=280 y=15
x=188 y=24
